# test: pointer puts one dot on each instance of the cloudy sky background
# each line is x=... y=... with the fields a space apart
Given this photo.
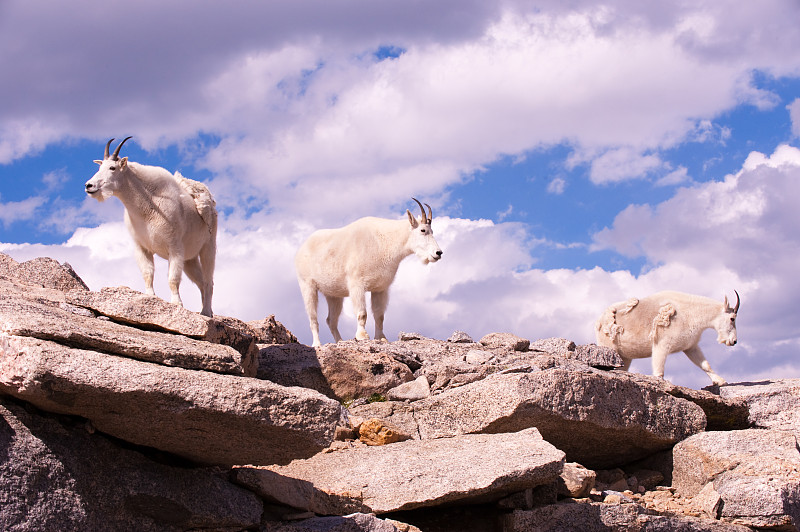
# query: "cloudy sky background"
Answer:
x=575 y=153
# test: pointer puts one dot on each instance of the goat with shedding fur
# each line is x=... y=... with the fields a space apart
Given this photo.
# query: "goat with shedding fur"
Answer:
x=665 y=323
x=167 y=215
x=358 y=258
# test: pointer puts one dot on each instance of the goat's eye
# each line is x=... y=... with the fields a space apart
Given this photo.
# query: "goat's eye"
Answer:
x=423 y=231
x=112 y=168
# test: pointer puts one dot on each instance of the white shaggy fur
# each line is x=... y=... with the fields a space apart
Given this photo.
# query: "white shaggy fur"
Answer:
x=665 y=323
x=167 y=215
x=358 y=258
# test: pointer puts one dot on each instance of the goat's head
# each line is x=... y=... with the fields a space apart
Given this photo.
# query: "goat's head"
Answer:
x=421 y=240
x=725 y=322
x=106 y=181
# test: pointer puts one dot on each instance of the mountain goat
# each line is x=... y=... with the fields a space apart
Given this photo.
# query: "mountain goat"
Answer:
x=665 y=323
x=169 y=215
x=358 y=258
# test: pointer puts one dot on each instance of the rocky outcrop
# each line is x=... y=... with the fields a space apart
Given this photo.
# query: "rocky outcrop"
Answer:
x=119 y=411
x=42 y=271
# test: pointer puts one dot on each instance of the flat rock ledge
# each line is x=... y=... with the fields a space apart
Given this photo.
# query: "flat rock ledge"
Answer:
x=410 y=474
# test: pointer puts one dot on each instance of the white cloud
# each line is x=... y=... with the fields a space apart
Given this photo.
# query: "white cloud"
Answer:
x=622 y=164
x=304 y=111
x=557 y=186
x=14 y=211
x=794 y=114
x=675 y=177
x=501 y=216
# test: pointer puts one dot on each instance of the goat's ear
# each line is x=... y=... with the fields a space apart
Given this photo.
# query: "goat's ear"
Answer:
x=413 y=221
x=123 y=162
x=98 y=161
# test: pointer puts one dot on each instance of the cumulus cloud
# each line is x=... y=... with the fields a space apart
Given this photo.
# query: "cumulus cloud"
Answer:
x=14 y=211
x=622 y=164
x=557 y=186
x=794 y=114
x=300 y=107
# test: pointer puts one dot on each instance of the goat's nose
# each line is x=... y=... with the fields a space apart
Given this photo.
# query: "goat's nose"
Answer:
x=88 y=186
x=439 y=253
x=734 y=342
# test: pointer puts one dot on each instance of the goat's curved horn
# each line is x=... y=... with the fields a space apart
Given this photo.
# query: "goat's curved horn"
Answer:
x=421 y=208
x=116 y=152
x=736 y=308
x=105 y=155
x=430 y=213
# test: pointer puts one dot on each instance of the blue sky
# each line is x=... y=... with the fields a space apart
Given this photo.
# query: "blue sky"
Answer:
x=574 y=155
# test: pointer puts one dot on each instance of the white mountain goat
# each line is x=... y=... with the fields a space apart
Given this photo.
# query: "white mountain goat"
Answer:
x=665 y=323
x=169 y=215
x=358 y=258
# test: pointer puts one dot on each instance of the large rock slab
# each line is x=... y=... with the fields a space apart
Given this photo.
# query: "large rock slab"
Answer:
x=772 y=404
x=749 y=477
x=723 y=412
x=345 y=370
x=41 y=271
x=125 y=305
x=357 y=522
x=600 y=419
x=599 y=517
x=54 y=475
x=23 y=317
x=410 y=474
x=203 y=416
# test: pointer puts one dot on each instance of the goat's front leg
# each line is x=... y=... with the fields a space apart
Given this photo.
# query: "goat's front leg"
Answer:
x=144 y=259
x=358 y=296
x=380 y=300
x=696 y=355
x=174 y=277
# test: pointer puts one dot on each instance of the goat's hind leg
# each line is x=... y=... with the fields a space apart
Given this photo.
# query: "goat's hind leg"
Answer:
x=194 y=271
x=208 y=259
x=311 y=299
x=176 y=261
x=358 y=296
x=335 y=305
